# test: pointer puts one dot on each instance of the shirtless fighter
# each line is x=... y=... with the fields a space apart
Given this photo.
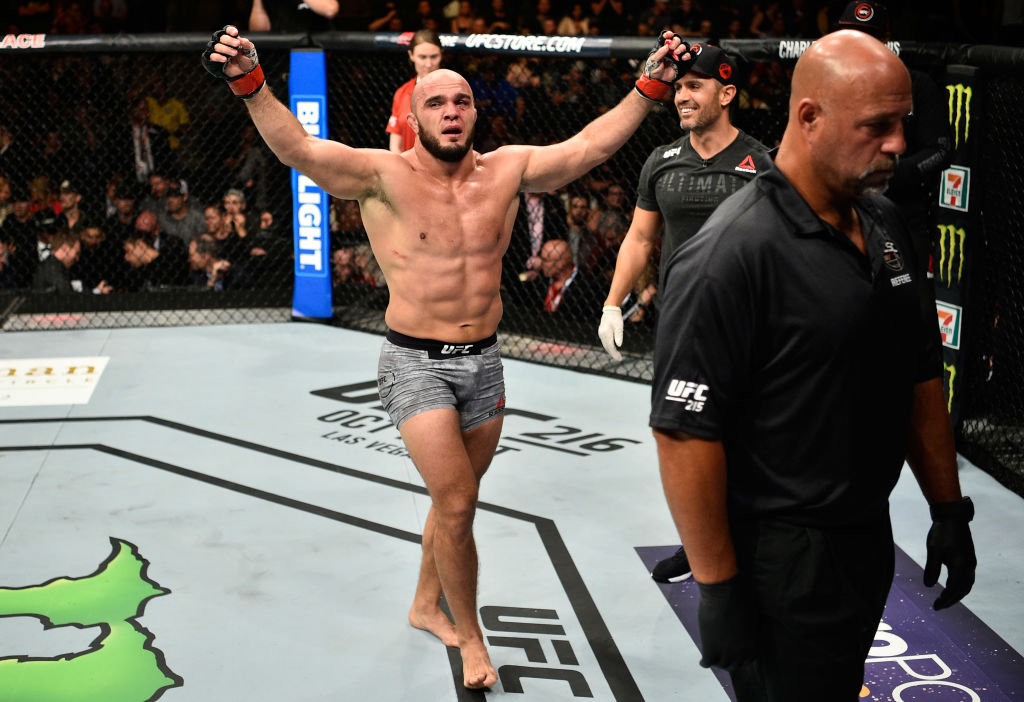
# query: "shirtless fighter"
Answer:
x=439 y=217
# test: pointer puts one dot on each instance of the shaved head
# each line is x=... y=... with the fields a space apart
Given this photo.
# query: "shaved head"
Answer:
x=434 y=81
x=842 y=62
x=848 y=98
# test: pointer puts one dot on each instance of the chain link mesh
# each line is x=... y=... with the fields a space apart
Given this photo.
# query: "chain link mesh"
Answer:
x=71 y=122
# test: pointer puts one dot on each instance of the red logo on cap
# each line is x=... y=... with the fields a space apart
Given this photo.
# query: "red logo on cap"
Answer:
x=696 y=49
x=864 y=12
x=725 y=70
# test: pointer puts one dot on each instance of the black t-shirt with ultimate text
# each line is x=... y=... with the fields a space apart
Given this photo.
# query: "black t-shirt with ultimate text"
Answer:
x=780 y=339
x=686 y=188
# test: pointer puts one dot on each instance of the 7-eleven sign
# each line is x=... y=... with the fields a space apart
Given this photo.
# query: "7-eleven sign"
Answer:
x=955 y=188
x=949 y=324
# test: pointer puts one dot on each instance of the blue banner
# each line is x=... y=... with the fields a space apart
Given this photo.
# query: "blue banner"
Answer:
x=307 y=91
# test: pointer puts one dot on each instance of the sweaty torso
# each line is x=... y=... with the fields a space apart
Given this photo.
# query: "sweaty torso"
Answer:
x=439 y=242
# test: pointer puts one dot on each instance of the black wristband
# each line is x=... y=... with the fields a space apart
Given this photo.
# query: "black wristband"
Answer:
x=962 y=510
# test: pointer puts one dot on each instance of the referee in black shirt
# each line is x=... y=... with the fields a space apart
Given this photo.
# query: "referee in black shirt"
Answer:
x=796 y=366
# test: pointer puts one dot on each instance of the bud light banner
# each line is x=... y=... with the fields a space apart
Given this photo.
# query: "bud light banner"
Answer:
x=307 y=89
x=918 y=653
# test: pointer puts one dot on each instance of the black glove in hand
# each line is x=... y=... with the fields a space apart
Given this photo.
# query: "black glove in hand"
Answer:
x=244 y=85
x=656 y=88
x=726 y=625
x=949 y=542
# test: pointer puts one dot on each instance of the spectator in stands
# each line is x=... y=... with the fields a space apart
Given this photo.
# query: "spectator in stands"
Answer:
x=425 y=56
x=248 y=166
x=68 y=19
x=390 y=21
x=8 y=273
x=41 y=195
x=53 y=274
x=19 y=231
x=208 y=270
x=582 y=240
x=499 y=19
x=166 y=111
x=462 y=23
x=120 y=225
x=235 y=226
x=686 y=18
x=655 y=17
x=566 y=289
x=424 y=17
x=346 y=222
x=343 y=267
x=14 y=163
x=540 y=218
x=143 y=148
x=534 y=14
x=108 y=17
x=213 y=220
x=71 y=214
x=287 y=16
x=155 y=198
x=269 y=252
x=611 y=13
x=99 y=263
x=6 y=205
x=576 y=22
x=179 y=219
x=171 y=248
x=492 y=93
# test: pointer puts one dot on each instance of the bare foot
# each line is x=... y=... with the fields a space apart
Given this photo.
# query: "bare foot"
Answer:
x=436 y=623
x=477 y=671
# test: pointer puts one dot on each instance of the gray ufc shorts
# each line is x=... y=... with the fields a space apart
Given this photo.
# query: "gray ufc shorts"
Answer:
x=416 y=375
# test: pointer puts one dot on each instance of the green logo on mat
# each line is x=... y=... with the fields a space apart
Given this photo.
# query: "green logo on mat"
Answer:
x=121 y=665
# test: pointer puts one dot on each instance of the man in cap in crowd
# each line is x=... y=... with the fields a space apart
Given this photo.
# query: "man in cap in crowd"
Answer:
x=681 y=184
x=179 y=219
x=71 y=215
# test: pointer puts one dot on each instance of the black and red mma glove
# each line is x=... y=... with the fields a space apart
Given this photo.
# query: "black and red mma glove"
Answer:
x=244 y=85
x=657 y=89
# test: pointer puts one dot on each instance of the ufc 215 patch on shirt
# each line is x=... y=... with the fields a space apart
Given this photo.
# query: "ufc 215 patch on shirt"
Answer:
x=692 y=395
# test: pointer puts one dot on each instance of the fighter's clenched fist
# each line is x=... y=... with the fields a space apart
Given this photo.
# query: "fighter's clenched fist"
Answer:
x=233 y=59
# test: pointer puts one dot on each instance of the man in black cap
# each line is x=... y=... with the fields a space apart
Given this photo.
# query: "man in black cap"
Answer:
x=178 y=219
x=71 y=215
x=121 y=225
x=681 y=184
x=914 y=185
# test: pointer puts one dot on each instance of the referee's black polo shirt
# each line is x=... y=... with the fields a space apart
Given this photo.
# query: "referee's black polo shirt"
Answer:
x=780 y=339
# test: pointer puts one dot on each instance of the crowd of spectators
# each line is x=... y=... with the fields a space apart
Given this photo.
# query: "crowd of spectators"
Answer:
x=942 y=20
x=136 y=181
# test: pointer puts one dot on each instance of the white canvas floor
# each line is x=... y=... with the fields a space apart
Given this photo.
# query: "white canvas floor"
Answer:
x=234 y=518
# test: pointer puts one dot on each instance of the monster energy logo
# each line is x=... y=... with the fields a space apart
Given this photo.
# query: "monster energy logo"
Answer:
x=121 y=665
x=950 y=371
x=960 y=107
x=951 y=248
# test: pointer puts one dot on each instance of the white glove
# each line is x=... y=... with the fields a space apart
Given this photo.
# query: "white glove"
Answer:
x=610 y=330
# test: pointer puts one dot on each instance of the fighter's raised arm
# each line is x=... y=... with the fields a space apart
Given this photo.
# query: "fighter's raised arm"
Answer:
x=551 y=167
x=341 y=170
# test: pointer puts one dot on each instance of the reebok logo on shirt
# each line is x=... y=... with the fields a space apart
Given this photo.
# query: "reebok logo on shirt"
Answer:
x=692 y=395
x=747 y=165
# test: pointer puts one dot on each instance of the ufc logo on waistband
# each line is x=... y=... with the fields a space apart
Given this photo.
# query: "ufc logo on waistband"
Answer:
x=452 y=349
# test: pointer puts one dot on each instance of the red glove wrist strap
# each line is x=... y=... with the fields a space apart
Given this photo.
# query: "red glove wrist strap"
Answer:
x=248 y=84
x=652 y=88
